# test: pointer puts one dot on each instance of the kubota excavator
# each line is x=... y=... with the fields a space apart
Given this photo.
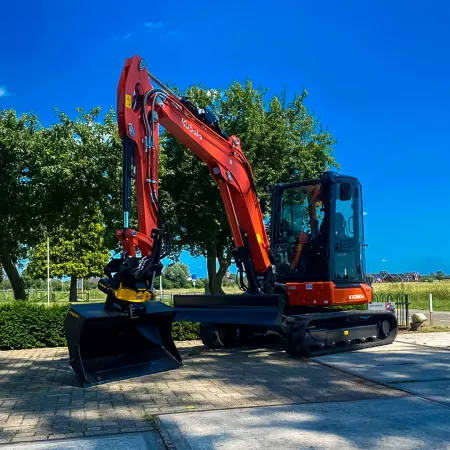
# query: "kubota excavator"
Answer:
x=313 y=263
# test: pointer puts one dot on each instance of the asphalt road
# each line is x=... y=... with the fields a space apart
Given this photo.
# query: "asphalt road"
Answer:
x=132 y=441
x=410 y=409
x=419 y=418
x=439 y=317
x=345 y=425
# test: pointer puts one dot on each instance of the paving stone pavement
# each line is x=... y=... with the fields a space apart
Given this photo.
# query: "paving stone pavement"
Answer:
x=40 y=398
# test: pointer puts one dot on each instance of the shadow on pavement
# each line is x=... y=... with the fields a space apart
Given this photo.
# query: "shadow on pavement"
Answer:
x=355 y=425
x=40 y=397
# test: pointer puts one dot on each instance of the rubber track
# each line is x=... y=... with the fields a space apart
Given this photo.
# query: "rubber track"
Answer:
x=348 y=348
x=296 y=328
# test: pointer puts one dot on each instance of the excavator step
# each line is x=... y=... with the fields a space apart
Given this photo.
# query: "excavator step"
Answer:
x=321 y=334
x=107 y=346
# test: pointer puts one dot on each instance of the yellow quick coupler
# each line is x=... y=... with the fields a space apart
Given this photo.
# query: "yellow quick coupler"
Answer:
x=132 y=295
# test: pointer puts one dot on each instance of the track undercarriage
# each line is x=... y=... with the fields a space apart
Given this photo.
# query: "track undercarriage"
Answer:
x=324 y=333
x=106 y=345
x=309 y=335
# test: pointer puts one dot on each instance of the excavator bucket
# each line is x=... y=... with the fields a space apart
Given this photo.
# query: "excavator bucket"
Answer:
x=106 y=346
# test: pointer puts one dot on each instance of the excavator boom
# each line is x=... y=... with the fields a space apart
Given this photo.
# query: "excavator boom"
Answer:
x=142 y=107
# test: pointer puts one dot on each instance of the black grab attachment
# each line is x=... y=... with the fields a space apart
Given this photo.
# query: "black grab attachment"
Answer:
x=107 y=346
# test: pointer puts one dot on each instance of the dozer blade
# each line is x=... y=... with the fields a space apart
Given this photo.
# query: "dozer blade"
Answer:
x=106 y=346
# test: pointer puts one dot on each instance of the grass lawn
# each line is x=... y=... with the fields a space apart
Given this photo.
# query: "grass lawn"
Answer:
x=419 y=293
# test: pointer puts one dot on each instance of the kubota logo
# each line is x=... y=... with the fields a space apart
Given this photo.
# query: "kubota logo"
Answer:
x=191 y=129
x=356 y=296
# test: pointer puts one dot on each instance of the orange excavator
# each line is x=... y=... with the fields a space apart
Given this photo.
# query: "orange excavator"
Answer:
x=294 y=285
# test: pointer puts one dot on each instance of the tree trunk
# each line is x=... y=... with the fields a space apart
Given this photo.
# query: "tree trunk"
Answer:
x=14 y=277
x=215 y=277
x=73 y=297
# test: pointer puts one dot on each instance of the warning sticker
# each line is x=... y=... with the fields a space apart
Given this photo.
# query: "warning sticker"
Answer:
x=128 y=101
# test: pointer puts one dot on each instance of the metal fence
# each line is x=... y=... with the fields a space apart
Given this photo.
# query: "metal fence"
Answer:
x=401 y=302
x=168 y=297
x=41 y=295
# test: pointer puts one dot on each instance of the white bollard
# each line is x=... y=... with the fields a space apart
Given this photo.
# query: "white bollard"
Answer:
x=431 y=308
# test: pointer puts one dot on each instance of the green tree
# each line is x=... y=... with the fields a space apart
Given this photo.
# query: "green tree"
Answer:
x=167 y=284
x=20 y=199
x=177 y=273
x=82 y=166
x=76 y=253
x=5 y=284
x=199 y=283
x=282 y=140
x=440 y=275
x=53 y=179
x=31 y=282
x=432 y=275
x=91 y=284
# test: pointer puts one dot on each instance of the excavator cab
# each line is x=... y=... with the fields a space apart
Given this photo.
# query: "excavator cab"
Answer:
x=317 y=230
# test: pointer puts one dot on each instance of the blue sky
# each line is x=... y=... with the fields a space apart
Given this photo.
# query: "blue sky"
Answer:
x=378 y=75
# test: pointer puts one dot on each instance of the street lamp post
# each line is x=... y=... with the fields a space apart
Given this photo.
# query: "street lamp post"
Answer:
x=48 y=271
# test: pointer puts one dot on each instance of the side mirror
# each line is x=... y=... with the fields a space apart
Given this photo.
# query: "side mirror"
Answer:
x=345 y=191
x=262 y=204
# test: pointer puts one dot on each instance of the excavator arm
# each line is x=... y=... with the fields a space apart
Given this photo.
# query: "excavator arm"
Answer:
x=144 y=104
